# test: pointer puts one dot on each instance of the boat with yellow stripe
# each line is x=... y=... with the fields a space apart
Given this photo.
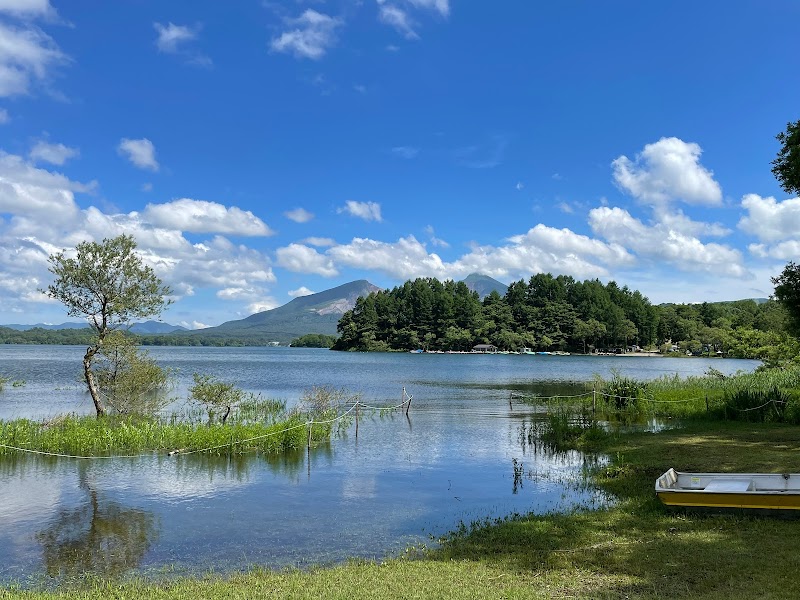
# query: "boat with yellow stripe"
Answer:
x=760 y=491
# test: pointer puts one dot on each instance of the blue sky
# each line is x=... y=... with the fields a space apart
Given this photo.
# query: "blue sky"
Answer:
x=261 y=150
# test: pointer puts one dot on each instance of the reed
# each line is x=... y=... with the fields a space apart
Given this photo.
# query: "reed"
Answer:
x=90 y=436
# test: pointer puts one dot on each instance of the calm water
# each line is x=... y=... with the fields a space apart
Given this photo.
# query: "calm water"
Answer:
x=402 y=481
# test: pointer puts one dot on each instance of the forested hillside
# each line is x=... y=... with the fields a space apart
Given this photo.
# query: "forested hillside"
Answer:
x=558 y=313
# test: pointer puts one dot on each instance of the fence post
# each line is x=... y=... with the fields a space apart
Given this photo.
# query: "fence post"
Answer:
x=356 y=419
x=706 y=402
x=310 y=425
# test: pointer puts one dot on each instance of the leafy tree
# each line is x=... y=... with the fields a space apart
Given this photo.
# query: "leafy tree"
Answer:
x=108 y=284
x=128 y=379
x=787 y=292
x=786 y=166
x=215 y=395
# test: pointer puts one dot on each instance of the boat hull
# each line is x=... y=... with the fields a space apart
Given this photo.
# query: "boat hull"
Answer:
x=749 y=491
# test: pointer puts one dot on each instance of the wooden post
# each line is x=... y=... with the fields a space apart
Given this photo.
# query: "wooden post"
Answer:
x=310 y=424
x=356 y=419
x=510 y=396
x=409 y=403
x=706 y=402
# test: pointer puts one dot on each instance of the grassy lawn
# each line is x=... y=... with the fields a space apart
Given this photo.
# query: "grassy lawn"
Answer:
x=635 y=550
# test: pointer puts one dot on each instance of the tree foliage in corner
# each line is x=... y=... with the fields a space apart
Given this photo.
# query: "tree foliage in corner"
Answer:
x=786 y=167
x=787 y=292
x=107 y=284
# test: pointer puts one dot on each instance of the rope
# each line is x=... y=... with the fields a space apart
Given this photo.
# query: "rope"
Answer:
x=210 y=448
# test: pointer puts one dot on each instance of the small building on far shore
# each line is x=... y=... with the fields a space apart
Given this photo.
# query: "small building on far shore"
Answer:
x=485 y=349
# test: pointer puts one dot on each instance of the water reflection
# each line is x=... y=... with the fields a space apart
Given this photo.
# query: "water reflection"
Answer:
x=100 y=536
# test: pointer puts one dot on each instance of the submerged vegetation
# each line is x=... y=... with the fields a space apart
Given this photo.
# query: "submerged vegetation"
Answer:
x=252 y=424
x=633 y=548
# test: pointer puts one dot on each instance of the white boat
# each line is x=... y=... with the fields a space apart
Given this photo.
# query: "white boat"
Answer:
x=766 y=491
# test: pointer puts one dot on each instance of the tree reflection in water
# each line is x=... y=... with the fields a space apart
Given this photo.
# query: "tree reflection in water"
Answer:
x=101 y=537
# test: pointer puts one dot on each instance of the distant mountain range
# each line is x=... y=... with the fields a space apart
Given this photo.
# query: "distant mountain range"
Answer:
x=147 y=327
x=315 y=313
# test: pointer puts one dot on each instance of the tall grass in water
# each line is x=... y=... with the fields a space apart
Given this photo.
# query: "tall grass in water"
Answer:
x=90 y=436
x=256 y=425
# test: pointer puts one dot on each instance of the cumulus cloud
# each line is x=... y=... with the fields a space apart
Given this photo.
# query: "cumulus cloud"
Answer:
x=319 y=241
x=262 y=305
x=28 y=192
x=201 y=216
x=302 y=259
x=28 y=56
x=310 y=35
x=661 y=242
x=369 y=211
x=45 y=218
x=299 y=215
x=668 y=170
x=55 y=154
x=28 y=9
x=788 y=250
x=141 y=153
x=301 y=291
x=770 y=220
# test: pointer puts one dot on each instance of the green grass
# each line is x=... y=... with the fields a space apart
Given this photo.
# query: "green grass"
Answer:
x=91 y=436
x=635 y=549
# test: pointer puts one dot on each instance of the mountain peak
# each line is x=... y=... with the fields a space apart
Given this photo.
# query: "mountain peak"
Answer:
x=484 y=285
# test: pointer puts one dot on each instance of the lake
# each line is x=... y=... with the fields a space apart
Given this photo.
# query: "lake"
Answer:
x=404 y=481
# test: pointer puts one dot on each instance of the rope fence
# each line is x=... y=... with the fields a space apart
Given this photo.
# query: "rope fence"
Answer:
x=406 y=402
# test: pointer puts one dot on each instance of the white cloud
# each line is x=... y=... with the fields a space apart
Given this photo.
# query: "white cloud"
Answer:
x=788 y=250
x=301 y=291
x=4 y=118
x=201 y=216
x=262 y=305
x=440 y=6
x=407 y=152
x=435 y=240
x=369 y=211
x=405 y=259
x=770 y=220
x=27 y=9
x=319 y=241
x=29 y=192
x=193 y=325
x=299 y=215
x=565 y=207
x=171 y=36
x=667 y=170
x=399 y=19
x=27 y=55
x=664 y=243
x=176 y=39
x=142 y=153
x=55 y=154
x=302 y=259
x=46 y=219
x=520 y=186
x=311 y=37
x=147 y=187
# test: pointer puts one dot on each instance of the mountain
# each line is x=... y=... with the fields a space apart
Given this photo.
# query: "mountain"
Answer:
x=484 y=285
x=141 y=328
x=315 y=313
